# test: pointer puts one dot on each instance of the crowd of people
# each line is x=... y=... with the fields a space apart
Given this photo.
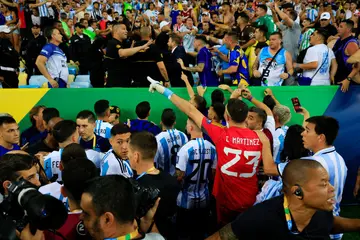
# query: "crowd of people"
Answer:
x=269 y=43
x=232 y=169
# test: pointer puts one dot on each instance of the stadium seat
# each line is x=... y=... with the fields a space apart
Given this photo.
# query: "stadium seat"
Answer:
x=82 y=78
x=28 y=86
x=22 y=78
x=37 y=80
x=80 y=85
x=72 y=70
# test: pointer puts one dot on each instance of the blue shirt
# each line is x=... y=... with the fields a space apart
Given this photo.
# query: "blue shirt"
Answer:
x=237 y=58
x=32 y=135
x=3 y=150
x=208 y=76
x=139 y=125
x=173 y=15
x=98 y=144
x=224 y=64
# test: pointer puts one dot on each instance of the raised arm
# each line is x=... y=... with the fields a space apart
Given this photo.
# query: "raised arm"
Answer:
x=128 y=52
x=287 y=20
x=10 y=4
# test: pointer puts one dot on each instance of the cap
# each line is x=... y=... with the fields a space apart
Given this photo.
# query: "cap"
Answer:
x=36 y=26
x=325 y=15
x=206 y=14
x=4 y=29
x=114 y=109
x=163 y=24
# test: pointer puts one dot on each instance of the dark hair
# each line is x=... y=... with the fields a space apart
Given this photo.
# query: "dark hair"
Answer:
x=175 y=38
x=119 y=128
x=143 y=109
x=48 y=32
x=145 y=143
x=293 y=144
x=349 y=23
x=10 y=164
x=328 y=126
x=86 y=114
x=261 y=114
x=245 y=17
x=217 y=96
x=233 y=35
x=323 y=33
x=263 y=29
x=293 y=14
x=261 y=45
x=50 y=113
x=263 y=6
x=63 y=130
x=79 y=25
x=168 y=117
x=6 y=120
x=105 y=199
x=269 y=101
x=219 y=109
x=101 y=107
x=200 y=103
x=75 y=176
x=71 y=152
x=276 y=34
x=202 y=38
x=237 y=109
x=34 y=111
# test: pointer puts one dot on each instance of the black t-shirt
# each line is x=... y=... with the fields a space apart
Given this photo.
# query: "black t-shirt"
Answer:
x=101 y=144
x=118 y=68
x=267 y=220
x=144 y=63
x=244 y=35
x=169 y=190
x=332 y=31
x=39 y=146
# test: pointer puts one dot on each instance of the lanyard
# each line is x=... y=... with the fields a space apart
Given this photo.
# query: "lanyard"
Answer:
x=144 y=173
x=126 y=237
x=94 y=142
x=288 y=216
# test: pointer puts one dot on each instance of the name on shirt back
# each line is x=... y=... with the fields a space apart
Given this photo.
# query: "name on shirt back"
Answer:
x=243 y=141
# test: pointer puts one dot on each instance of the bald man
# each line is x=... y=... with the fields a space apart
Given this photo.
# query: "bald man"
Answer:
x=47 y=144
x=149 y=62
x=303 y=212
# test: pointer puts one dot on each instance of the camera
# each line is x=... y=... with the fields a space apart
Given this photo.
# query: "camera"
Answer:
x=26 y=205
x=145 y=198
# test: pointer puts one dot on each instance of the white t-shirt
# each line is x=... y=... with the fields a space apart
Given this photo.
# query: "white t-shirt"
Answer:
x=188 y=39
x=323 y=55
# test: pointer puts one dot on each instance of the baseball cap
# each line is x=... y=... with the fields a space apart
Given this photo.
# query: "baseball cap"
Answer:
x=4 y=29
x=114 y=109
x=325 y=15
x=163 y=24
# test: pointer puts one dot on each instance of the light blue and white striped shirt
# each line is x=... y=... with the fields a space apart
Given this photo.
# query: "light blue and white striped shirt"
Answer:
x=279 y=136
x=113 y=165
x=103 y=129
x=54 y=190
x=196 y=158
x=169 y=143
x=43 y=11
x=337 y=170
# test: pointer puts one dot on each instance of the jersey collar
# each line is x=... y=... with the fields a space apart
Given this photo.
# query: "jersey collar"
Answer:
x=325 y=150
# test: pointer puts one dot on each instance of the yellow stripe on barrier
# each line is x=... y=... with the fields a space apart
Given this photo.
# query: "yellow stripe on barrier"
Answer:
x=18 y=102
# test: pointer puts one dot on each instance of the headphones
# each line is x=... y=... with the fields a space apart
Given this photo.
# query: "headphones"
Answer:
x=299 y=192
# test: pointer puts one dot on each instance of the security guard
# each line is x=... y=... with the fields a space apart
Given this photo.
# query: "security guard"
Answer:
x=80 y=45
x=9 y=62
x=32 y=51
x=115 y=60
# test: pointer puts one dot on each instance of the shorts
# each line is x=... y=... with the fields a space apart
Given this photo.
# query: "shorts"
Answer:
x=62 y=83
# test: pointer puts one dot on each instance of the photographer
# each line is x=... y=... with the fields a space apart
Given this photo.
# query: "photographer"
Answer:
x=142 y=150
x=111 y=214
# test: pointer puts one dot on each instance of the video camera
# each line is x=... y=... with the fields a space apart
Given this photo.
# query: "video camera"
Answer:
x=26 y=205
x=145 y=198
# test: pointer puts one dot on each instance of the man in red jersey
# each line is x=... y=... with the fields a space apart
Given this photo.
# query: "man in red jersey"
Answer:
x=239 y=152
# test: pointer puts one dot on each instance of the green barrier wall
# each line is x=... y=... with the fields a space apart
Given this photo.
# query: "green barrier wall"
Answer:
x=71 y=101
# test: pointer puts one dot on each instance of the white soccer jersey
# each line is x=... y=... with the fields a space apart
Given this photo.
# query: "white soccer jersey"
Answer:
x=95 y=157
x=196 y=158
x=103 y=128
x=169 y=142
x=54 y=190
x=56 y=63
x=52 y=163
x=113 y=165
x=279 y=136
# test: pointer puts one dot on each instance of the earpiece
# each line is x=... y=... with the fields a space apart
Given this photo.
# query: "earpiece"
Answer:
x=298 y=192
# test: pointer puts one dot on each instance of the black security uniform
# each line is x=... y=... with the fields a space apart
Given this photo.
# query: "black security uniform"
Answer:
x=79 y=52
x=117 y=68
x=9 y=64
x=32 y=51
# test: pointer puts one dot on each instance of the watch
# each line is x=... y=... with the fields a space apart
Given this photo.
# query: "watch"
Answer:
x=349 y=79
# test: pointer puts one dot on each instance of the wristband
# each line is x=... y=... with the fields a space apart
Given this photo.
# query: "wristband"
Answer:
x=168 y=93
x=251 y=98
x=349 y=79
x=289 y=75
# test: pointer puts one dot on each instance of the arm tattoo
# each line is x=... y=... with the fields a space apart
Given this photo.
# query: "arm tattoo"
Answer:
x=226 y=233
x=256 y=64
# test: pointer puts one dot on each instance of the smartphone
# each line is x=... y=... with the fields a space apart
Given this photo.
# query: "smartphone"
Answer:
x=296 y=104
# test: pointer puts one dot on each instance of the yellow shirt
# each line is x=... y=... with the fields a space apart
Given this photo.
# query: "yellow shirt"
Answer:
x=251 y=56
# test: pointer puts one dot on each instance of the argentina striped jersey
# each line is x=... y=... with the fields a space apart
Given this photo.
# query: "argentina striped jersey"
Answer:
x=103 y=128
x=113 y=165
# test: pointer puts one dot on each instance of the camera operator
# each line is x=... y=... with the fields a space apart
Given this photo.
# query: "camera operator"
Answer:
x=77 y=172
x=109 y=214
x=142 y=150
x=14 y=167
